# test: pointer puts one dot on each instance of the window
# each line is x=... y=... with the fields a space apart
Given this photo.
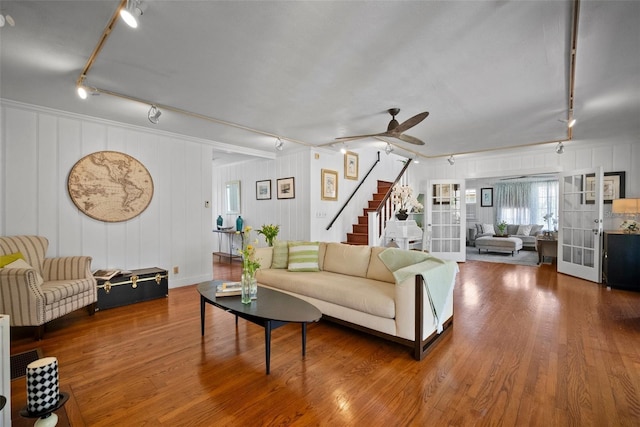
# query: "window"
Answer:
x=527 y=202
x=470 y=201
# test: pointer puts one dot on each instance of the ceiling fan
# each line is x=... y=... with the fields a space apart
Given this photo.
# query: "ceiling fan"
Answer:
x=395 y=129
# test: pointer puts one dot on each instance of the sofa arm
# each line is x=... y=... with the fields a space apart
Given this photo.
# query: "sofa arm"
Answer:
x=264 y=256
x=66 y=268
x=21 y=296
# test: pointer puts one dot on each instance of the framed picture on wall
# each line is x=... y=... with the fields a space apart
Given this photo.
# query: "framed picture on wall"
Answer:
x=329 y=182
x=612 y=187
x=486 y=197
x=350 y=165
x=286 y=188
x=263 y=190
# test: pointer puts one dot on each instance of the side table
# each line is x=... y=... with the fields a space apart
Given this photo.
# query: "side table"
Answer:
x=546 y=247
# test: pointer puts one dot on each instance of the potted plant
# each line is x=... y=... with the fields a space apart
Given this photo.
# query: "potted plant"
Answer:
x=502 y=228
x=270 y=232
x=402 y=197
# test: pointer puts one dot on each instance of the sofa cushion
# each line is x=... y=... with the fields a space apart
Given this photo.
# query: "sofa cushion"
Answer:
x=377 y=270
x=21 y=263
x=59 y=290
x=8 y=259
x=280 y=254
x=365 y=295
x=524 y=230
x=303 y=256
x=535 y=229
x=352 y=260
x=512 y=229
x=488 y=228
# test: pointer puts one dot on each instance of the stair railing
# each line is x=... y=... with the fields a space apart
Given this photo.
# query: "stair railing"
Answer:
x=355 y=190
x=378 y=219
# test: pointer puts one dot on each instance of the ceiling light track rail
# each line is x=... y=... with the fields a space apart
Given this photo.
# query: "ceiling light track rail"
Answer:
x=572 y=66
x=195 y=115
x=100 y=45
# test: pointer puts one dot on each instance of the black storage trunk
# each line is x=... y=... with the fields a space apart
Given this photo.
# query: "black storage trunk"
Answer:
x=141 y=285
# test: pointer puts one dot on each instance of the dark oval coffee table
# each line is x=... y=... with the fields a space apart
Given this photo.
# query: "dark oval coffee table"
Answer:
x=271 y=310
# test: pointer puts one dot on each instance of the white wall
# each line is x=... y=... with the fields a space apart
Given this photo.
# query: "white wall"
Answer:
x=614 y=155
x=38 y=149
x=291 y=214
x=307 y=216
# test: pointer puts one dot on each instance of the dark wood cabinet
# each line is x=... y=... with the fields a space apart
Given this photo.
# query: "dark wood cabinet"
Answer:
x=621 y=260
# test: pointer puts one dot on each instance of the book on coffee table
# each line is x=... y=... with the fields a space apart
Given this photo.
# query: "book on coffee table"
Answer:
x=228 y=289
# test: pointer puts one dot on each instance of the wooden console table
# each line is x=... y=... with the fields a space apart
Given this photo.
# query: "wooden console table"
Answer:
x=546 y=247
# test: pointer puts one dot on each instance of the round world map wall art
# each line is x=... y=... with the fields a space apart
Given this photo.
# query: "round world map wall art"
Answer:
x=110 y=186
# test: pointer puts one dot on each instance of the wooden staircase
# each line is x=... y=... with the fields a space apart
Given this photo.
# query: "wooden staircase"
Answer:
x=360 y=234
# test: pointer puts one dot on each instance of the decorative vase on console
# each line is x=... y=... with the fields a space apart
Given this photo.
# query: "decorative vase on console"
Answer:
x=402 y=215
x=219 y=222
x=239 y=223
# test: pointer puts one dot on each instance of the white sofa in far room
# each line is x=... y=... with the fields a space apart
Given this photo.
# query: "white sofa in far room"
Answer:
x=513 y=230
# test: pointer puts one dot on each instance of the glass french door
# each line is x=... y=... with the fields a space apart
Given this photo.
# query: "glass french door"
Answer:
x=580 y=224
x=446 y=219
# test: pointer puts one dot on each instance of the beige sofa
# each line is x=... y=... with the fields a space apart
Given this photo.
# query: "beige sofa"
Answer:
x=355 y=287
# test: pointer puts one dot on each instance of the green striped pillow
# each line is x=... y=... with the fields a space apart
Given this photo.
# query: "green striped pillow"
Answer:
x=303 y=256
x=280 y=254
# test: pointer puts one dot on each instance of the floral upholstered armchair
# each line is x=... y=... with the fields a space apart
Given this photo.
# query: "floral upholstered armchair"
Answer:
x=35 y=290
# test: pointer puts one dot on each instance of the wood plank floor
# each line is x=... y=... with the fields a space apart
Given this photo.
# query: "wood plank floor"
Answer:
x=528 y=347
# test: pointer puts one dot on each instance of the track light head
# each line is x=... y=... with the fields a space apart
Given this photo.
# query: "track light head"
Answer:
x=279 y=144
x=82 y=92
x=388 y=149
x=154 y=114
x=571 y=123
x=451 y=160
x=131 y=12
x=560 y=148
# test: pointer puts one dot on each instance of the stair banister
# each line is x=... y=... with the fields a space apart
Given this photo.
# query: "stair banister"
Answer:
x=354 y=192
x=378 y=219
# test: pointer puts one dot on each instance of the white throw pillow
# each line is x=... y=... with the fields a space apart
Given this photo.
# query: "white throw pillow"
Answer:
x=523 y=230
x=488 y=228
x=20 y=263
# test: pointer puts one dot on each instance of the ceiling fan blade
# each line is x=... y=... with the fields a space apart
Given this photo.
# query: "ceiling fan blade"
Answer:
x=410 y=139
x=409 y=123
x=349 y=138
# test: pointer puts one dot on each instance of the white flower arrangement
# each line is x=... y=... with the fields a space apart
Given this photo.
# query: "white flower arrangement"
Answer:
x=402 y=196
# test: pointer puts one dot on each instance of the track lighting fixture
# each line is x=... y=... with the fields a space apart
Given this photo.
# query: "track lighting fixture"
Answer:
x=451 y=160
x=154 y=115
x=82 y=92
x=560 y=148
x=571 y=123
x=6 y=18
x=388 y=149
x=279 y=144
x=131 y=12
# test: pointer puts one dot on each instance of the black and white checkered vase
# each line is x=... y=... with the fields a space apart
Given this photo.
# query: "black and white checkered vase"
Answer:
x=43 y=390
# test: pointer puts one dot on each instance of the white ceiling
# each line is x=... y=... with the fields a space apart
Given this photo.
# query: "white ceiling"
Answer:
x=492 y=74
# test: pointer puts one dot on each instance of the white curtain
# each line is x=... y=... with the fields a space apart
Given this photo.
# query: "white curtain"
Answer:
x=527 y=202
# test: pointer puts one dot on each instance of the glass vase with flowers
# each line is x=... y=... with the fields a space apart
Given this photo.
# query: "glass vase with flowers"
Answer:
x=249 y=266
x=270 y=232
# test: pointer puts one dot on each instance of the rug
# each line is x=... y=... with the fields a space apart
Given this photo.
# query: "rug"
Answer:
x=20 y=361
x=523 y=257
